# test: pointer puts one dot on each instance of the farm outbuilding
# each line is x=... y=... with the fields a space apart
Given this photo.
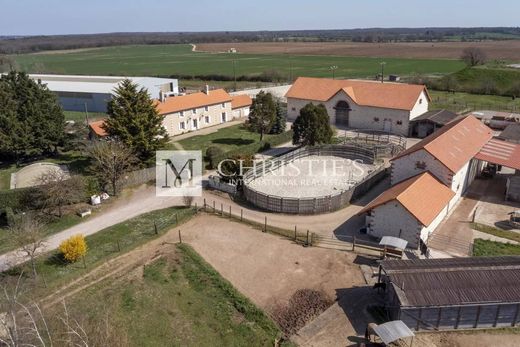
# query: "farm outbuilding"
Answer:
x=452 y=293
x=361 y=104
x=429 y=122
x=92 y=93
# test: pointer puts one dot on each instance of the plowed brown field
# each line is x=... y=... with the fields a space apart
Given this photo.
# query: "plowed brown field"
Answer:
x=507 y=50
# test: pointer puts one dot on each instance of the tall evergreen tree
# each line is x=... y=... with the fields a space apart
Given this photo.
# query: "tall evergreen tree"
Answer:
x=263 y=112
x=280 y=122
x=31 y=119
x=133 y=119
x=312 y=126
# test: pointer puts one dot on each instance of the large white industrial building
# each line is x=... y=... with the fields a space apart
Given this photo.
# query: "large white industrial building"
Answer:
x=92 y=93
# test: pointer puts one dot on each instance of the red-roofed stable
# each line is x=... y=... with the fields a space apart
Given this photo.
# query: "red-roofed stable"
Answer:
x=455 y=144
x=239 y=101
x=398 y=96
x=423 y=196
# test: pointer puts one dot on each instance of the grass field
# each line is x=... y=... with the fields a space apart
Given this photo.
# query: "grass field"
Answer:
x=506 y=234
x=457 y=102
x=103 y=246
x=80 y=116
x=165 y=60
x=485 y=248
x=179 y=300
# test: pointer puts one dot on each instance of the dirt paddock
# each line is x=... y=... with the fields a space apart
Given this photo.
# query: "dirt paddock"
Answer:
x=508 y=50
x=267 y=268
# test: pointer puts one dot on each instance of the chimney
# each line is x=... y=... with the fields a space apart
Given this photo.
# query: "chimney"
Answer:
x=206 y=89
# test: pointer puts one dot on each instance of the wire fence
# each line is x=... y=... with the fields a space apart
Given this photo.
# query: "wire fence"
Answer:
x=301 y=236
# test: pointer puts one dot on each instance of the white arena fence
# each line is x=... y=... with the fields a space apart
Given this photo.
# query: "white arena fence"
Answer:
x=320 y=204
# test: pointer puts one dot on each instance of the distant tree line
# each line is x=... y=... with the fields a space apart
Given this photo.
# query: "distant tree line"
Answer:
x=28 y=44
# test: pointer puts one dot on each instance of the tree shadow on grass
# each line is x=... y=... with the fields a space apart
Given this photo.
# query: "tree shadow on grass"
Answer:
x=236 y=142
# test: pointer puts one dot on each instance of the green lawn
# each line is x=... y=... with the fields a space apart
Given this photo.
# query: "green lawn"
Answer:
x=457 y=102
x=485 y=248
x=65 y=222
x=506 y=234
x=230 y=139
x=178 y=301
x=166 y=60
x=5 y=175
x=103 y=245
x=80 y=116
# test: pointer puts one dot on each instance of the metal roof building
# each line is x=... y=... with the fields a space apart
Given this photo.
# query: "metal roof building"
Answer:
x=92 y=93
x=453 y=293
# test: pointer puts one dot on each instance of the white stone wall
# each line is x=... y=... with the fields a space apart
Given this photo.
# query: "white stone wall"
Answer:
x=364 y=117
x=427 y=231
x=465 y=176
x=241 y=112
x=407 y=166
x=205 y=118
x=392 y=219
x=420 y=107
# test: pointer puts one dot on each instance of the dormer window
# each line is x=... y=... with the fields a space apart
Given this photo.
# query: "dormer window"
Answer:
x=223 y=105
x=194 y=111
x=206 y=108
x=420 y=101
x=181 y=113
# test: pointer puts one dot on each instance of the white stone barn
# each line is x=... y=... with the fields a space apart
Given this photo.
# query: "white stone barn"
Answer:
x=421 y=178
x=359 y=104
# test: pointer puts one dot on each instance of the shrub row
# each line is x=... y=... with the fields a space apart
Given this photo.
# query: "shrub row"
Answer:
x=266 y=76
x=18 y=200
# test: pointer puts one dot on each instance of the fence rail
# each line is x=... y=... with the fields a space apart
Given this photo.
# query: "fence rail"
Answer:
x=301 y=236
x=319 y=204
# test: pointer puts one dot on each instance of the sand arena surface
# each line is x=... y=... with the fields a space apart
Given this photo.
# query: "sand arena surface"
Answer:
x=312 y=176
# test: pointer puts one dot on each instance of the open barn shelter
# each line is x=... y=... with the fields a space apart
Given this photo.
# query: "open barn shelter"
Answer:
x=453 y=293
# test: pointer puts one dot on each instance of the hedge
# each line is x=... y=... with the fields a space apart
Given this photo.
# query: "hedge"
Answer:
x=21 y=199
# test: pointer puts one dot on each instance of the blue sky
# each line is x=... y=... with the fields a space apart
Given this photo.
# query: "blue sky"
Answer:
x=29 y=17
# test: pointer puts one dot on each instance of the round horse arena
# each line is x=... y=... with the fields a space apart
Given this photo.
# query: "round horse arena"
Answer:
x=312 y=180
x=29 y=176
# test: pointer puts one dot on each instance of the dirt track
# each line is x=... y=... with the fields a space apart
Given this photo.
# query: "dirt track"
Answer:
x=507 y=50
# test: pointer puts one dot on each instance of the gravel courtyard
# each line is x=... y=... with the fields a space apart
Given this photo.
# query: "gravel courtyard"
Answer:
x=312 y=176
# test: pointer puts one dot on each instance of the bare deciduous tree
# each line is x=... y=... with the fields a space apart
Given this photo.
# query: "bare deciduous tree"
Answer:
x=111 y=161
x=473 y=56
x=60 y=189
x=26 y=232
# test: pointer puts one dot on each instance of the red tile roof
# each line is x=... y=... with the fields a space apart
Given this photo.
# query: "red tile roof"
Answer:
x=455 y=144
x=502 y=153
x=239 y=101
x=96 y=127
x=191 y=101
x=422 y=195
x=364 y=93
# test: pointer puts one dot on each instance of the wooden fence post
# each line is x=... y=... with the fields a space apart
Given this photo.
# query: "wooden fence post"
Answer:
x=213 y=206
x=176 y=218
x=265 y=224
x=221 y=209
x=295 y=234
x=307 y=242
x=205 y=210
x=155 y=226
x=229 y=211
x=241 y=215
x=118 y=246
x=180 y=236
x=354 y=244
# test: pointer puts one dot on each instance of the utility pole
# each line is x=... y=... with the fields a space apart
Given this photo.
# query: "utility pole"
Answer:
x=333 y=68
x=235 y=75
x=383 y=72
x=86 y=114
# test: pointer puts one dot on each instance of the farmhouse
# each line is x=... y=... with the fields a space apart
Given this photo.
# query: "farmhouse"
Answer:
x=427 y=180
x=360 y=104
x=192 y=112
x=453 y=293
x=92 y=93
x=200 y=110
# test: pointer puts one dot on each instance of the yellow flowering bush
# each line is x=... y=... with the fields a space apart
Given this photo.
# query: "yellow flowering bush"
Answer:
x=74 y=248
